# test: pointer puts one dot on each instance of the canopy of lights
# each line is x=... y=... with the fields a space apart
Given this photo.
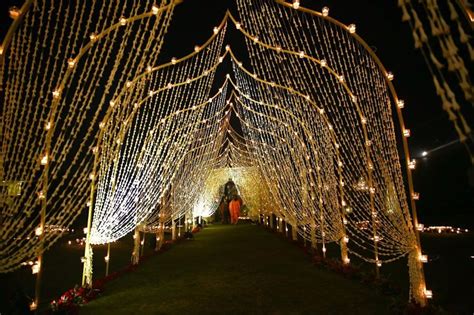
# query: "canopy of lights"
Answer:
x=139 y=144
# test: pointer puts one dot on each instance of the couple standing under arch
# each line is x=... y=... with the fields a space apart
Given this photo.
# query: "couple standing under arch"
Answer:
x=231 y=202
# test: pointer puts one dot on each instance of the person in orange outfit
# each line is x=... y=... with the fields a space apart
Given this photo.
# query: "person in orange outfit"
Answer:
x=234 y=209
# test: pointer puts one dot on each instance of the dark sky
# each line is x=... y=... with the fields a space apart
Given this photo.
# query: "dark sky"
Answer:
x=442 y=178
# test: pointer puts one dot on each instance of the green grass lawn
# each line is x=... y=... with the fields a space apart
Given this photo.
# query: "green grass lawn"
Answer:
x=235 y=270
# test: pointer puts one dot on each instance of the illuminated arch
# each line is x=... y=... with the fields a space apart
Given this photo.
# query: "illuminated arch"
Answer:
x=317 y=127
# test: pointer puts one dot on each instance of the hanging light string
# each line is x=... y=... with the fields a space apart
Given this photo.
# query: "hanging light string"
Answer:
x=442 y=52
x=37 y=68
x=366 y=114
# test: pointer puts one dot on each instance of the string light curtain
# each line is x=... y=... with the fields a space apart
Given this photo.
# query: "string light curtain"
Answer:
x=60 y=68
x=331 y=66
x=153 y=138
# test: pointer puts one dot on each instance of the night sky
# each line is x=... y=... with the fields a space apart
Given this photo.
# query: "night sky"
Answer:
x=442 y=177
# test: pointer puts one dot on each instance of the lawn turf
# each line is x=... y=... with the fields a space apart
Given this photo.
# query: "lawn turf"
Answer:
x=239 y=269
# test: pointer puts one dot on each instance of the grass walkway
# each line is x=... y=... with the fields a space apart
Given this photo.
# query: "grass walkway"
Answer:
x=235 y=270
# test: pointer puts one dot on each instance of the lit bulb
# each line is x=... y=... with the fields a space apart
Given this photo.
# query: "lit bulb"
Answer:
x=401 y=103
x=56 y=93
x=38 y=231
x=325 y=11
x=379 y=263
x=301 y=54
x=112 y=103
x=346 y=239
x=106 y=258
x=227 y=47
x=238 y=25
x=424 y=258
x=196 y=48
x=36 y=267
x=352 y=28
x=123 y=20
x=412 y=164
x=71 y=62
x=44 y=159
x=347 y=260
x=428 y=294
x=41 y=195
x=155 y=9
x=93 y=37
x=390 y=76
x=148 y=68
x=92 y=176
x=47 y=126
x=324 y=63
x=128 y=84
x=415 y=196
x=33 y=306
x=14 y=12
x=406 y=133
x=215 y=30
x=84 y=230
x=173 y=60
x=296 y=4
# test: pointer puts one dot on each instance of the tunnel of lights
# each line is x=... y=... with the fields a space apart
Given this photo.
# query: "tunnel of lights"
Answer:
x=138 y=144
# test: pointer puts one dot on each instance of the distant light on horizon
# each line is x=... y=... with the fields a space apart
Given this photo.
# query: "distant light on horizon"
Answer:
x=424 y=153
